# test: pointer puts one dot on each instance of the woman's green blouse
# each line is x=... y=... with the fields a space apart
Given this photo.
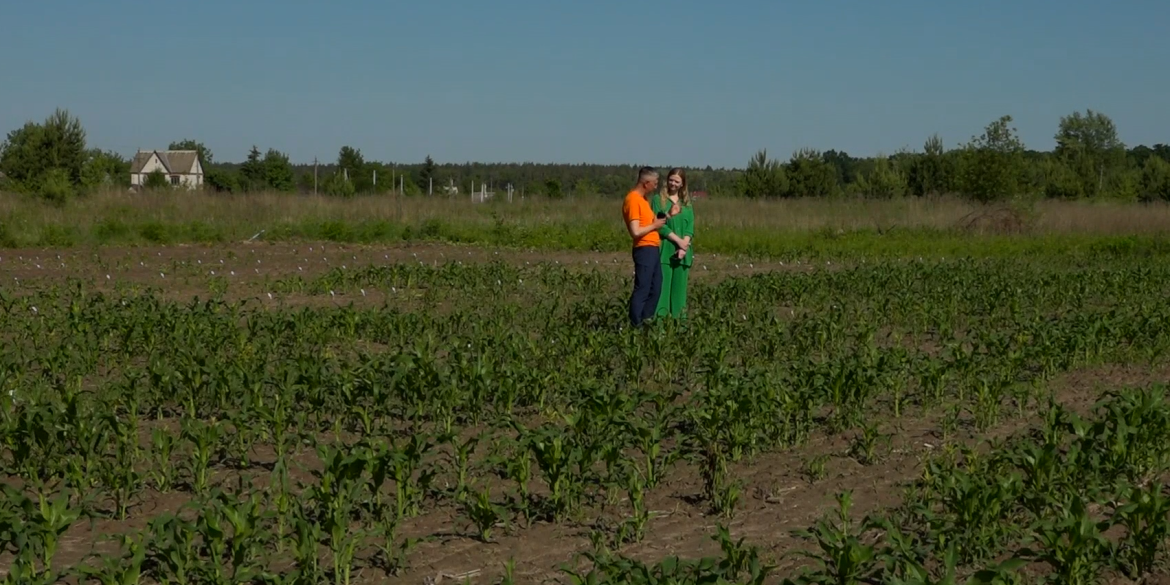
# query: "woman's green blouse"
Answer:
x=682 y=225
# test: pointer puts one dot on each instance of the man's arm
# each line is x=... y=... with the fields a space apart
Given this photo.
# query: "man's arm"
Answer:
x=637 y=231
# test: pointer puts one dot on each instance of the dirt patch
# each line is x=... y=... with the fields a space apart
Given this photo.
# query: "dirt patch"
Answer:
x=249 y=270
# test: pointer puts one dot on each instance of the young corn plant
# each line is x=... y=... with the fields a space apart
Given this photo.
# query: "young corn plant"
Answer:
x=120 y=475
x=120 y=570
x=1074 y=545
x=162 y=469
x=559 y=457
x=483 y=513
x=633 y=527
x=204 y=437
x=34 y=529
x=334 y=499
x=459 y=461
x=652 y=434
x=842 y=558
x=866 y=444
x=514 y=463
x=1145 y=514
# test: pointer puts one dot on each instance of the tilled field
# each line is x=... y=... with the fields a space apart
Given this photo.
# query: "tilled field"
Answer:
x=317 y=413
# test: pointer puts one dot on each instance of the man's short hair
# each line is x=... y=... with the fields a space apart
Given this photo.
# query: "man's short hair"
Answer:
x=646 y=173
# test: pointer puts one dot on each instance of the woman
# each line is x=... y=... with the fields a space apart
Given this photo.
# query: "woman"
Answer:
x=677 y=254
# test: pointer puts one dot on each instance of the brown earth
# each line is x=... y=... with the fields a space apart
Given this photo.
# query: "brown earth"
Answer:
x=247 y=265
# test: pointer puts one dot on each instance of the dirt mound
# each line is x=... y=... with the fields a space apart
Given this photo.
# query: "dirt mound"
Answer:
x=996 y=219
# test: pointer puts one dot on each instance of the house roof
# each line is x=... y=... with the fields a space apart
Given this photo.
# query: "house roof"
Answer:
x=177 y=162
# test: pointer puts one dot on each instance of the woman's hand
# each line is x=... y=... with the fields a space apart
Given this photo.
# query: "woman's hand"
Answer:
x=681 y=254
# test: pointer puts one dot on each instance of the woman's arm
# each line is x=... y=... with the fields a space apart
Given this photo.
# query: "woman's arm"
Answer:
x=665 y=230
x=687 y=228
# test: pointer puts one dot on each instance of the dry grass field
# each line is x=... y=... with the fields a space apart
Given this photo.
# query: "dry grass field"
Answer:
x=729 y=225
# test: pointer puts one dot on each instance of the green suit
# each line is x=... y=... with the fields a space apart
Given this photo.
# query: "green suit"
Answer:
x=673 y=299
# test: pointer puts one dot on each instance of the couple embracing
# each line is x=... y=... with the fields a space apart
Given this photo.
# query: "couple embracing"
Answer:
x=661 y=224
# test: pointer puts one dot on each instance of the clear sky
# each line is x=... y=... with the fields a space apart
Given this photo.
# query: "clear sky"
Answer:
x=665 y=82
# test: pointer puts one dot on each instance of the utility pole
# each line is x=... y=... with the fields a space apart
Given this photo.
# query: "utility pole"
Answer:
x=430 y=186
x=314 y=175
x=375 y=177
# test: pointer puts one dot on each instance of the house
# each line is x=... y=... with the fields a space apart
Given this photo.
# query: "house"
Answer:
x=181 y=167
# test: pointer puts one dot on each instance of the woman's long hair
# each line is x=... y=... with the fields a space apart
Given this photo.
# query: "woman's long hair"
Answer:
x=684 y=195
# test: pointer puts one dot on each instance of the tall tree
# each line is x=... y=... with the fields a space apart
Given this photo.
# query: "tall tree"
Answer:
x=351 y=160
x=64 y=146
x=993 y=165
x=1089 y=145
x=105 y=169
x=20 y=157
x=844 y=165
x=885 y=180
x=356 y=168
x=204 y=153
x=810 y=176
x=764 y=177
x=30 y=152
x=553 y=188
x=278 y=172
x=928 y=173
x=1155 y=180
x=252 y=171
x=426 y=174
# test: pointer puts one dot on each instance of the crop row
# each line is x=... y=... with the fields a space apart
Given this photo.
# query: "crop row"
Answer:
x=306 y=440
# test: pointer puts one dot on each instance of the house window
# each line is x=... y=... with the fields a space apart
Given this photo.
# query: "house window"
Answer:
x=174 y=179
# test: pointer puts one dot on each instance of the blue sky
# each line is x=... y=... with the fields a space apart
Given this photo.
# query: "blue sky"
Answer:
x=678 y=82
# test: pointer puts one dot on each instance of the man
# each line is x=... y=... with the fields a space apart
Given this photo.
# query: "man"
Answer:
x=643 y=228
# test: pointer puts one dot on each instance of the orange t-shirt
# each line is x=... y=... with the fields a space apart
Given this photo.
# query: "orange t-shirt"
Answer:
x=637 y=207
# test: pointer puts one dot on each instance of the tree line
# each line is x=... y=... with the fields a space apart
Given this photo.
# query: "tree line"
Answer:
x=1089 y=161
x=53 y=160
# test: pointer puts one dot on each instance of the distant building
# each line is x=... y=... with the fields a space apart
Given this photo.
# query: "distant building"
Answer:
x=181 y=167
